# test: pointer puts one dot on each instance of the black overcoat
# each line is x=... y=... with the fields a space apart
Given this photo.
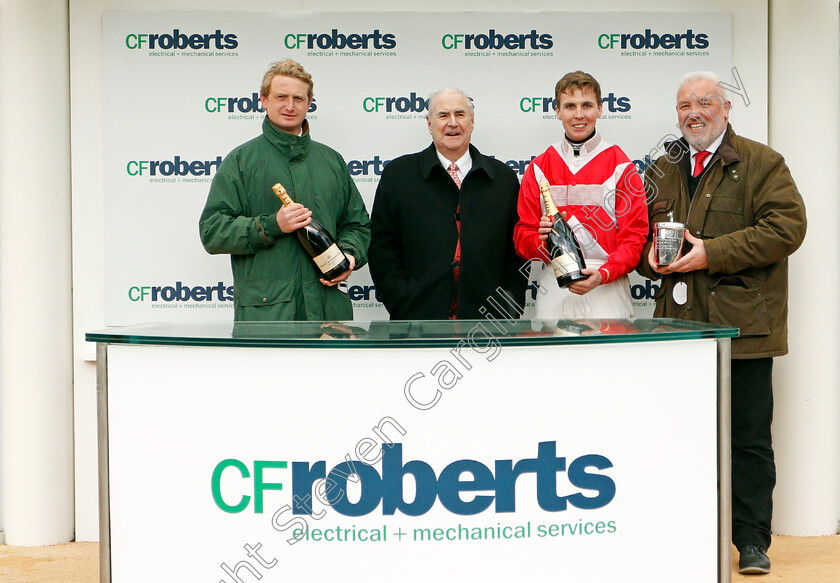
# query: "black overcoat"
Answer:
x=414 y=235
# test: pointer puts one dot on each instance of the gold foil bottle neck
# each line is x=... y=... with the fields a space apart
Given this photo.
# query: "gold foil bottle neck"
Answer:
x=282 y=194
x=550 y=207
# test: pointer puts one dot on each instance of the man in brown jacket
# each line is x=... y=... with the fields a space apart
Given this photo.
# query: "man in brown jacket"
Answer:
x=743 y=217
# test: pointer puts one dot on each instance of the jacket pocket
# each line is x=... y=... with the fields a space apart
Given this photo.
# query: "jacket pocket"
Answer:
x=659 y=210
x=739 y=301
x=264 y=292
x=725 y=215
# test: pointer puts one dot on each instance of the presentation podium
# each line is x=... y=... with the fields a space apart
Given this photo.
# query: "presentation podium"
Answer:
x=486 y=450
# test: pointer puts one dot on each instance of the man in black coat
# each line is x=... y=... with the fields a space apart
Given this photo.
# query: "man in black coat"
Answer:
x=442 y=226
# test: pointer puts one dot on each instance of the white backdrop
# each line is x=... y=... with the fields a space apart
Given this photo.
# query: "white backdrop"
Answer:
x=180 y=91
x=87 y=60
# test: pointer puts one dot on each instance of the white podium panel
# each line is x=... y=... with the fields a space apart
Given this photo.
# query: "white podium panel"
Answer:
x=476 y=462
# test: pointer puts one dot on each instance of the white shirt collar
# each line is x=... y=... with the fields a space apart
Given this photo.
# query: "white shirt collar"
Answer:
x=464 y=163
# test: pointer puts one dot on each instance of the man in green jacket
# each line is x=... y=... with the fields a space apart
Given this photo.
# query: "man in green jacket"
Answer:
x=744 y=216
x=274 y=278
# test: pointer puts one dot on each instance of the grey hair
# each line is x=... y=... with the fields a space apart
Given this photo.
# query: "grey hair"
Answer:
x=704 y=76
x=467 y=98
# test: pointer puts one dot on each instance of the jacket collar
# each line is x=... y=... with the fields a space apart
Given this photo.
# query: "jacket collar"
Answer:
x=429 y=161
x=291 y=145
x=726 y=150
x=679 y=150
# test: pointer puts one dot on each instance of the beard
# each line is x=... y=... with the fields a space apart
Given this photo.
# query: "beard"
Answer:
x=704 y=140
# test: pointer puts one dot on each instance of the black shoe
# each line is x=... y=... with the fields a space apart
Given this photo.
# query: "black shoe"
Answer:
x=753 y=561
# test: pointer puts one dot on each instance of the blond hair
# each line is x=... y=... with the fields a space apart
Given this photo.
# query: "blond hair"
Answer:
x=287 y=68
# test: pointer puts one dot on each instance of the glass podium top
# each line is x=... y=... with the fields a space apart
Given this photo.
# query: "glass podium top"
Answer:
x=392 y=334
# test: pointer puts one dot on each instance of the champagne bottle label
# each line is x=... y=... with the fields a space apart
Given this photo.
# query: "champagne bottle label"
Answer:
x=564 y=264
x=329 y=258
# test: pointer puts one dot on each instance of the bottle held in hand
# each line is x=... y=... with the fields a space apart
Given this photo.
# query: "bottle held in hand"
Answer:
x=562 y=245
x=318 y=242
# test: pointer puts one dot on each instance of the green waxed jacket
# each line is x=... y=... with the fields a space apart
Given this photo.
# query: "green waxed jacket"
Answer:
x=751 y=217
x=274 y=278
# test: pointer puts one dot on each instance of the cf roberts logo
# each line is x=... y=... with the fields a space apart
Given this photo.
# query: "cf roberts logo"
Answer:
x=181 y=293
x=249 y=104
x=493 y=40
x=650 y=40
x=519 y=166
x=612 y=103
x=645 y=291
x=363 y=292
x=338 y=40
x=175 y=167
x=406 y=104
x=464 y=487
x=177 y=40
x=373 y=166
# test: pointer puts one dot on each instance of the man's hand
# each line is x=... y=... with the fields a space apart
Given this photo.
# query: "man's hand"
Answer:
x=693 y=260
x=663 y=269
x=545 y=225
x=337 y=280
x=293 y=217
x=545 y=228
x=588 y=284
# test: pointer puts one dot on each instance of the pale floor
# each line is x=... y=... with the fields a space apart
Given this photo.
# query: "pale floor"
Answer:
x=795 y=560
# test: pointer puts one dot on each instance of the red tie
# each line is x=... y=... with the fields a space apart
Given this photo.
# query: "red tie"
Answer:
x=699 y=162
x=453 y=172
x=456 y=262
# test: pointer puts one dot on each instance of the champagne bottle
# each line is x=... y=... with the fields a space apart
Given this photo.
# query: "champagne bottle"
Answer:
x=562 y=245
x=317 y=241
